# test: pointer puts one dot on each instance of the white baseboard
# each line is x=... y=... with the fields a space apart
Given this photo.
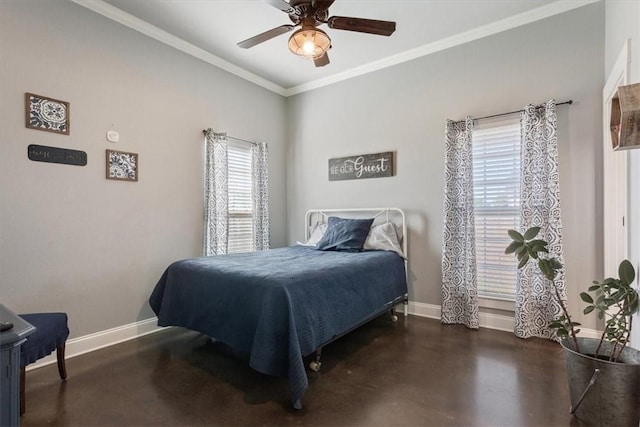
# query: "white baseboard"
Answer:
x=85 y=344
x=589 y=333
x=487 y=320
x=88 y=343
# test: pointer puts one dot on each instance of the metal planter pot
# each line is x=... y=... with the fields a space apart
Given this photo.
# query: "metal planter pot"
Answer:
x=603 y=393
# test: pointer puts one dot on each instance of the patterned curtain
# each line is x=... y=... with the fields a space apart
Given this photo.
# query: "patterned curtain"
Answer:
x=536 y=304
x=260 y=178
x=459 y=285
x=215 y=194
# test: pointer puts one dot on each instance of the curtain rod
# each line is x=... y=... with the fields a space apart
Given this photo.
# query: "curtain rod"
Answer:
x=204 y=131
x=569 y=102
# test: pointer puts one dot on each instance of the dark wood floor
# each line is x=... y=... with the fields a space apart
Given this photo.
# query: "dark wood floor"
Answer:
x=414 y=373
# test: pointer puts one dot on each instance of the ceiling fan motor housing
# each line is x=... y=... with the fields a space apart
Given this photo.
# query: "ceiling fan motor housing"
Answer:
x=306 y=11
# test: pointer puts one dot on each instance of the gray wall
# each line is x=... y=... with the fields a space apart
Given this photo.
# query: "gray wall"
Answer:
x=70 y=240
x=404 y=108
x=623 y=23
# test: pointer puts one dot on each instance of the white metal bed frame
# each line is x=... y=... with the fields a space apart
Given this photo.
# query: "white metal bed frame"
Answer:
x=380 y=216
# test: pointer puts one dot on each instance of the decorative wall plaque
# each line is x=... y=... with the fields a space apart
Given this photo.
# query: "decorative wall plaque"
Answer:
x=363 y=166
x=42 y=153
x=48 y=114
x=625 y=117
x=122 y=166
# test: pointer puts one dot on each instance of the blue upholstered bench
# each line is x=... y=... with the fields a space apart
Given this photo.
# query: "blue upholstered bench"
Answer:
x=51 y=334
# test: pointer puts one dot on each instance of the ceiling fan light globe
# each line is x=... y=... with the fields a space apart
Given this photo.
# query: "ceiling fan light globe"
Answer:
x=309 y=43
x=308 y=47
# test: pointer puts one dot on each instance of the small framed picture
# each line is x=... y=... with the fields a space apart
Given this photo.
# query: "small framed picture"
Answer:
x=48 y=114
x=122 y=166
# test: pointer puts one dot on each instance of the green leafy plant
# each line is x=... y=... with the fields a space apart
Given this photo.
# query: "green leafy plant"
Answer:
x=614 y=300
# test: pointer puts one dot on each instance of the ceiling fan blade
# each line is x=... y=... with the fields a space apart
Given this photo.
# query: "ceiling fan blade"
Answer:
x=371 y=26
x=322 y=61
x=267 y=35
x=283 y=6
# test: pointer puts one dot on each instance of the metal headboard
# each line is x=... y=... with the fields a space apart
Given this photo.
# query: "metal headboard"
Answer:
x=380 y=215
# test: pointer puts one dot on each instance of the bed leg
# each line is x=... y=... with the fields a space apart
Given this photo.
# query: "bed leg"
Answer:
x=394 y=317
x=405 y=303
x=316 y=364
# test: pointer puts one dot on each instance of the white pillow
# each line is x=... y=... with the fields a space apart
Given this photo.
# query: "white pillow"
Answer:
x=316 y=234
x=383 y=237
x=398 y=233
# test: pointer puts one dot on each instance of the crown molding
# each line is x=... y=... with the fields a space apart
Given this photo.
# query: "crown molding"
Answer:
x=496 y=27
x=542 y=12
x=128 y=20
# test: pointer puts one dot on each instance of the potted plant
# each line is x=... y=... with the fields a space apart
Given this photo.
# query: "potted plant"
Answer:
x=604 y=373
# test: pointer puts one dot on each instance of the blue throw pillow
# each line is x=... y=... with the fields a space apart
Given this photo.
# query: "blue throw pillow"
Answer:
x=345 y=234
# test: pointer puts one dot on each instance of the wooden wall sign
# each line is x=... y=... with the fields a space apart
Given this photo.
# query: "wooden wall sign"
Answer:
x=625 y=118
x=376 y=165
x=42 y=153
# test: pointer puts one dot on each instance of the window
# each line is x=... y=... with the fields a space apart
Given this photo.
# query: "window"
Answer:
x=496 y=187
x=239 y=179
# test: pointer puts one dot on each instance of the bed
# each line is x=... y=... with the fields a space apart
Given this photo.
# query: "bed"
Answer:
x=280 y=305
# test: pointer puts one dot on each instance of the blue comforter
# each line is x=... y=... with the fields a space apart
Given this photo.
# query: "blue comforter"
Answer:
x=278 y=305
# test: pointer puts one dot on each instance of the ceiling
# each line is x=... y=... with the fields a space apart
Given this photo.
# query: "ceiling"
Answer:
x=210 y=29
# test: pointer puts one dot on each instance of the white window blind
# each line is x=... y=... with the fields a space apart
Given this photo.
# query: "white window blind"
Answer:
x=496 y=187
x=239 y=179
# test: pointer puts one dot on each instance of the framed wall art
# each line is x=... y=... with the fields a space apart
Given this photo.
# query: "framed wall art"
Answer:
x=122 y=166
x=47 y=114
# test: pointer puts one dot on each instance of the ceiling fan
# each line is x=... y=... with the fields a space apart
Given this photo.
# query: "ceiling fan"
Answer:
x=309 y=41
